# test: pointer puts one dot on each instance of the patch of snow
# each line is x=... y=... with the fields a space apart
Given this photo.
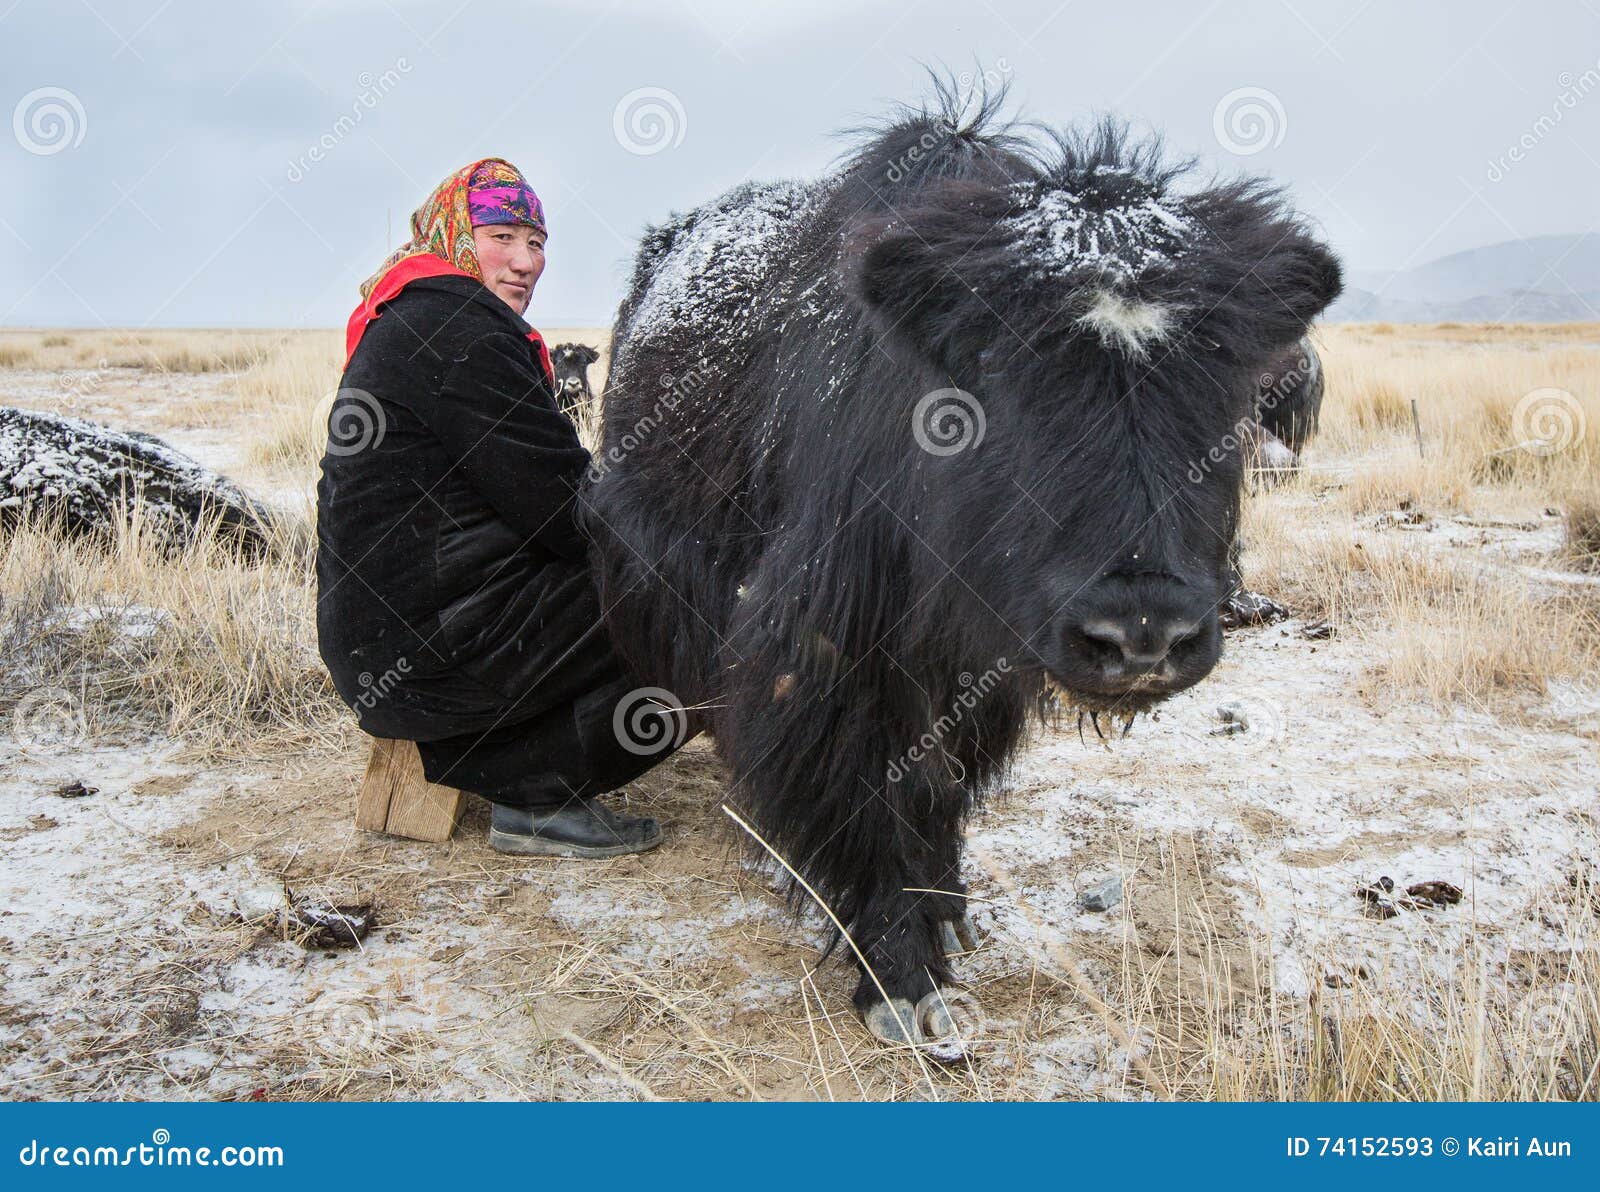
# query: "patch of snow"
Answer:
x=1062 y=231
x=727 y=252
x=133 y=620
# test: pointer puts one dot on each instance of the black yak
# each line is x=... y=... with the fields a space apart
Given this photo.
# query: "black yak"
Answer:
x=891 y=455
x=570 y=363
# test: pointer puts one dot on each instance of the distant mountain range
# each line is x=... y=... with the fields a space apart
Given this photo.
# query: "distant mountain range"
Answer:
x=1544 y=279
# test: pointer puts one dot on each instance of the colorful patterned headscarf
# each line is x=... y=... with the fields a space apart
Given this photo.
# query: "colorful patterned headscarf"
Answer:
x=442 y=226
x=498 y=194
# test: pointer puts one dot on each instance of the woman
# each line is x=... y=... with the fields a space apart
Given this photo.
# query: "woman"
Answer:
x=455 y=606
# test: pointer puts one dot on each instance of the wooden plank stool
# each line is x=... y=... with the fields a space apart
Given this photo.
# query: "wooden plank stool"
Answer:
x=396 y=797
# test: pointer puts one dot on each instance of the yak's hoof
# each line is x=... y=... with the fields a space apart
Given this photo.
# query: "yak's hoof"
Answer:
x=935 y=1024
x=944 y=1038
x=958 y=935
x=893 y=1021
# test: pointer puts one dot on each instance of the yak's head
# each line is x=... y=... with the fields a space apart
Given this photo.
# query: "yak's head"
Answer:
x=1078 y=352
x=571 y=362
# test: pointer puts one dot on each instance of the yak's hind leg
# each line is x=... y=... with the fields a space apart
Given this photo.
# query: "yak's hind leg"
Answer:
x=814 y=768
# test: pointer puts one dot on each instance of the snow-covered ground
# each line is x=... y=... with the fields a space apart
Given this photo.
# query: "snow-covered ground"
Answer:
x=142 y=956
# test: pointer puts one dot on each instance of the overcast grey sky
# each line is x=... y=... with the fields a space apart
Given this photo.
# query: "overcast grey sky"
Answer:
x=212 y=164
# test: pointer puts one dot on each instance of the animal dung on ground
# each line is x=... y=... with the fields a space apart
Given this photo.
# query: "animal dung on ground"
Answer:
x=1235 y=719
x=1102 y=896
x=1383 y=903
x=77 y=789
x=1244 y=609
x=1435 y=893
x=319 y=924
x=1378 y=896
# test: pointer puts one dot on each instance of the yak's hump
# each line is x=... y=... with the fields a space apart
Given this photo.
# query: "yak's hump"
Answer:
x=716 y=260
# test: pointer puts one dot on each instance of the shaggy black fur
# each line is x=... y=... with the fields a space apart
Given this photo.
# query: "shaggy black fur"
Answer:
x=865 y=624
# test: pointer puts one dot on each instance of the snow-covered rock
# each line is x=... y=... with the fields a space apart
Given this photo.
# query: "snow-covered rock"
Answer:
x=88 y=474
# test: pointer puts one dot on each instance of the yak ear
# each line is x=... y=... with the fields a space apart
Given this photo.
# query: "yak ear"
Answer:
x=589 y=354
x=912 y=291
x=1278 y=292
x=1303 y=278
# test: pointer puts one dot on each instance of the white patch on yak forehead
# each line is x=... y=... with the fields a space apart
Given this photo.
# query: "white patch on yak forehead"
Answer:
x=1065 y=231
x=1111 y=230
x=1128 y=324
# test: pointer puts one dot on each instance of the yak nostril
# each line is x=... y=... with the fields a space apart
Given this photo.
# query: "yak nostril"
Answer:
x=1182 y=635
x=1106 y=639
x=1138 y=646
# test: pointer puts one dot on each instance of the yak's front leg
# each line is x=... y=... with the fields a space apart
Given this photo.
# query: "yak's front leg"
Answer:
x=912 y=920
x=878 y=846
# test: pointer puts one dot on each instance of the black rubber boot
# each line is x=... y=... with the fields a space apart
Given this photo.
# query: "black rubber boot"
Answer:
x=581 y=828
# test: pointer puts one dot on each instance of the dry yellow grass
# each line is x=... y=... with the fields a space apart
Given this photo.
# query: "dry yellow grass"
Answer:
x=172 y=351
x=1510 y=427
x=1512 y=411
x=225 y=657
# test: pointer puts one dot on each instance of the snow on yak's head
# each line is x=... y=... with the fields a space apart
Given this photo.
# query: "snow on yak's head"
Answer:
x=1085 y=332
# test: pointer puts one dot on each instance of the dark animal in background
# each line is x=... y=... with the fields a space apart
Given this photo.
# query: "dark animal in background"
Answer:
x=888 y=453
x=88 y=476
x=1287 y=405
x=571 y=364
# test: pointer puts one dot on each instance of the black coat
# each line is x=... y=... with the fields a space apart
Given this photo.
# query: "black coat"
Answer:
x=453 y=589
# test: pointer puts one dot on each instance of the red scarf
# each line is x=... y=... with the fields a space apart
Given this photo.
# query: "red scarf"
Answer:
x=396 y=279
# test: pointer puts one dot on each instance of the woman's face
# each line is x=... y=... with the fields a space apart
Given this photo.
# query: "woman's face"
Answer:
x=511 y=257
